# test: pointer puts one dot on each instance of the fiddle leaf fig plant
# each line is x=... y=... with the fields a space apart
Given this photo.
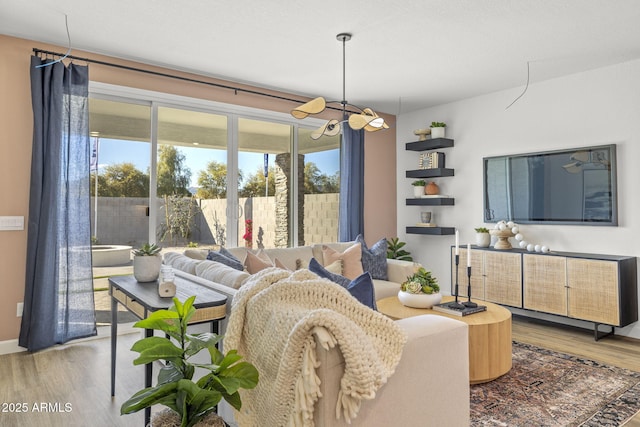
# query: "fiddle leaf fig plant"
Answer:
x=176 y=389
x=395 y=251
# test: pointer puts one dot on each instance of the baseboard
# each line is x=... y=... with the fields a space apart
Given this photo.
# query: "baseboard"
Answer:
x=10 y=346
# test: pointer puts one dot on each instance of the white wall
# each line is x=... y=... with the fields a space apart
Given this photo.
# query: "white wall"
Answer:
x=597 y=107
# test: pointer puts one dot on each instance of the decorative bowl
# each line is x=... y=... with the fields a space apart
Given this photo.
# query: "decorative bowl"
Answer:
x=503 y=238
x=422 y=133
x=419 y=300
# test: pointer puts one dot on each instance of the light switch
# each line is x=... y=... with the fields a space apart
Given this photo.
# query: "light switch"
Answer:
x=11 y=223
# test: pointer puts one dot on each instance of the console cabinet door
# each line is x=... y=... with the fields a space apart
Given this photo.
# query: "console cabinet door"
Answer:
x=503 y=278
x=545 y=283
x=593 y=290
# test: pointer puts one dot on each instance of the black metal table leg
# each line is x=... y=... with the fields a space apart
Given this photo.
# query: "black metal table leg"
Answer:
x=114 y=336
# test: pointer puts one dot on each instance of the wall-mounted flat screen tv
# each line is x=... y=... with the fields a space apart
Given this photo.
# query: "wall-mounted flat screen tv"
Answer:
x=573 y=186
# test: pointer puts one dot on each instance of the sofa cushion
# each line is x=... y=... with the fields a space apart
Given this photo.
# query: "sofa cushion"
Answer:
x=361 y=288
x=385 y=288
x=374 y=260
x=181 y=262
x=292 y=258
x=199 y=254
x=226 y=258
x=351 y=259
x=221 y=273
x=256 y=262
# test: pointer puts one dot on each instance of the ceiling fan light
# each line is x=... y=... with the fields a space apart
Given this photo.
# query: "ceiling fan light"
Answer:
x=368 y=120
x=314 y=106
x=331 y=128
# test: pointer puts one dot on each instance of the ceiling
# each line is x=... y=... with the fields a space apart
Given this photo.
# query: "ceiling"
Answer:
x=404 y=55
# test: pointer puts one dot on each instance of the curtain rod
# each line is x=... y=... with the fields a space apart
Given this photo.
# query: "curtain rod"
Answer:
x=171 y=76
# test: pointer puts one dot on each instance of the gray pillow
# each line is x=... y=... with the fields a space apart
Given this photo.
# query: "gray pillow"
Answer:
x=374 y=260
x=225 y=257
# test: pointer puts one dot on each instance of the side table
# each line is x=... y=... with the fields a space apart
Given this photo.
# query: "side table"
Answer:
x=142 y=299
x=489 y=335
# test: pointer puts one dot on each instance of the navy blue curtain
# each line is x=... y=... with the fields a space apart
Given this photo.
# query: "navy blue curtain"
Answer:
x=58 y=301
x=351 y=214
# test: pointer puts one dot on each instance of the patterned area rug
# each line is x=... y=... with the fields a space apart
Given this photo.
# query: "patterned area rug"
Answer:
x=546 y=388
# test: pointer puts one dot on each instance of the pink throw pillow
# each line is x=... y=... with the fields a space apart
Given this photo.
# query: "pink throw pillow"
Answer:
x=351 y=260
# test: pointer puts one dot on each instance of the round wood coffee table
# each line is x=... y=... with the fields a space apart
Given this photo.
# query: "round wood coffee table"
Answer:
x=489 y=335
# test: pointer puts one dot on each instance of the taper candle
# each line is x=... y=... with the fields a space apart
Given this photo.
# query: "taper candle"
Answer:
x=468 y=254
x=457 y=242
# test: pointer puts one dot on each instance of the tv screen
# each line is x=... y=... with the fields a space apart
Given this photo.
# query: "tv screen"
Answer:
x=573 y=186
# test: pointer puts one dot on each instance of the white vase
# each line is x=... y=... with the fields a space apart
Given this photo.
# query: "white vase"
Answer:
x=483 y=240
x=418 y=191
x=437 y=133
x=146 y=268
x=419 y=300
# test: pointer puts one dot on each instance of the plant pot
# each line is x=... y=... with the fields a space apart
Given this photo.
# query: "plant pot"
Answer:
x=146 y=268
x=483 y=240
x=437 y=133
x=419 y=300
x=432 y=189
x=418 y=191
x=169 y=418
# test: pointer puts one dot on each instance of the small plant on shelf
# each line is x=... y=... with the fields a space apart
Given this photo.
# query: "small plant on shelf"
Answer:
x=419 y=183
x=421 y=282
x=438 y=124
x=481 y=230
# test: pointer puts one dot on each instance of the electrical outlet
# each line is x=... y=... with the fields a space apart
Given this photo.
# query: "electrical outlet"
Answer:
x=19 y=309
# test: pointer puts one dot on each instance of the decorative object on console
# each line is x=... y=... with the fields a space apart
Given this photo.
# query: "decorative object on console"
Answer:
x=421 y=290
x=365 y=118
x=524 y=244
x=432 y=189
x=422 y=133
x=483 y=238
x=437 y=129
x=418 y=187
x=146 y=263
x=167 y=288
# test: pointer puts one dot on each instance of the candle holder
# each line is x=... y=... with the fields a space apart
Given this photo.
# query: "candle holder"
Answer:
x=468 y=303
x=456 y=305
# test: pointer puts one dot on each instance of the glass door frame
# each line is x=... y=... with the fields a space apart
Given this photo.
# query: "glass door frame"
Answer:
x=233 y=113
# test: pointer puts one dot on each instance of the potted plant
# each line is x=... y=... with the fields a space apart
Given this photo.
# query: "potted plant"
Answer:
x=418 y=187
x=437 y=129
x=395 y=251
x=483 y=238
x=146 y=263
x=420 y=290
x=188 y=402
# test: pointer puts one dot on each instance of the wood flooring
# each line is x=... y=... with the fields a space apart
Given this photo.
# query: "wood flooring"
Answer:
x=69 y=385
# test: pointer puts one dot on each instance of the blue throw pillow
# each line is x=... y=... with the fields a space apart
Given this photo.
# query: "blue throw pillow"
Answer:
x=228 y=260
x=361 y=288
x=374 y=260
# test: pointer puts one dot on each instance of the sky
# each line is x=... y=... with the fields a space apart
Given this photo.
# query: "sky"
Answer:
x=113 y=151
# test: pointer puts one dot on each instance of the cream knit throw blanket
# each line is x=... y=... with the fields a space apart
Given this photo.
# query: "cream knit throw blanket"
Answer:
x=276 y=315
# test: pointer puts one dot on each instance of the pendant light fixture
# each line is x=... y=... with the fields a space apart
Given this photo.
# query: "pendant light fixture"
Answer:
x=364 y=118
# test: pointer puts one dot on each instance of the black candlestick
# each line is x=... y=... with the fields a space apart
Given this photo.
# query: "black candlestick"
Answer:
x=456 y=305
x=468 y=303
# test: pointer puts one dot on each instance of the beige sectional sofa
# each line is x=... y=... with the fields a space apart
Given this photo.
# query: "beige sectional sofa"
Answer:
x=430 y=386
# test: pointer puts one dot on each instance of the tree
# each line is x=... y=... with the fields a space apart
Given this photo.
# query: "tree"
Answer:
x=173 y=176
x=121 y=180
x=254 y=186
x=212 y=181
x=317 y=182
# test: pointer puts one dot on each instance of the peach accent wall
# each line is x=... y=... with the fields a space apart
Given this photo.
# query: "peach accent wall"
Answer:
x=15 y=154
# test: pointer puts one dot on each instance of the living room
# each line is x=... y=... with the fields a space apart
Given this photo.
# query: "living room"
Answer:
x=586 y=107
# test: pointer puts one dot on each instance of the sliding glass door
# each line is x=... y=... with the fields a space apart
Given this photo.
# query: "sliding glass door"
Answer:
x=187 y=172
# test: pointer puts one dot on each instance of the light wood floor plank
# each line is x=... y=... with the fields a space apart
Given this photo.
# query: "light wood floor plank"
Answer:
x=79 y=374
